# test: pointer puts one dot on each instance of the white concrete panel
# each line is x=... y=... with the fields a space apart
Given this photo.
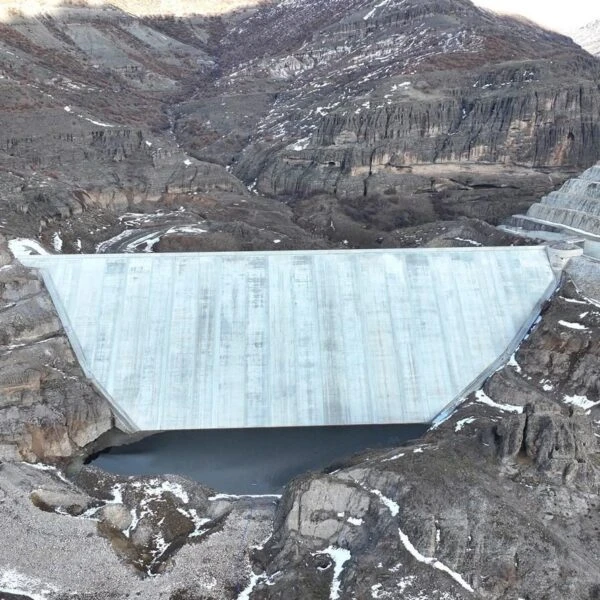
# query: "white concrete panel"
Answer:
x=270 y=339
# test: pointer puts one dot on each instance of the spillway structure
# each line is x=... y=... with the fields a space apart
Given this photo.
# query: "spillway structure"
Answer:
x=293 y=338
x=571 y=214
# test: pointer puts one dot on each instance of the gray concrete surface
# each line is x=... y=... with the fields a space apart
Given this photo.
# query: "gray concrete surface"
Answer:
x=276 y=339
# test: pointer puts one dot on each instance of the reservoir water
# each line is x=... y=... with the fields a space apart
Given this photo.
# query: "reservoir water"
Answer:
x=250 y=461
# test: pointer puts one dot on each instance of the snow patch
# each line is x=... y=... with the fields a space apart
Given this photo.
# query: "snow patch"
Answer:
x=460 y=424
x=374 y=9
x=572 y=300
x=254 y=580
x=392 y=506
x=50 y=468
x=433 y=562
x=471 y=242
x=241 y=497
x=512 y=362
x=301 y=144
x=198 y=521
x=57 y=242
x=25 y=247
x=577 y=326
x=99 y=123
x=186 y=229
x=483 y=398
x=354 y=521
x=395 y=457
x=581 y=401
x=154 y=488
x=340 y=557
x=13 y=582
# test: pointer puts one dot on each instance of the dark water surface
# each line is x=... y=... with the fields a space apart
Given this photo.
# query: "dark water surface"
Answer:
x=250 y=461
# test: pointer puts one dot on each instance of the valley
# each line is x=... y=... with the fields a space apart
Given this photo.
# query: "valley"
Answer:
x=299 y=125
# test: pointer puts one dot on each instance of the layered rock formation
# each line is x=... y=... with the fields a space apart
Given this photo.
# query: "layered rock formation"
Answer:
x=426 y=102
x=48 y=411
x=412 y=110
x=576 y=205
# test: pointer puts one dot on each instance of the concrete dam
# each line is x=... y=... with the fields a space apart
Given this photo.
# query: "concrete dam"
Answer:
x=293 y=338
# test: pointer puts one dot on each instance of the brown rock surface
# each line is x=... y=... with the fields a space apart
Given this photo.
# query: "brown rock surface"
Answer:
x=48 y=411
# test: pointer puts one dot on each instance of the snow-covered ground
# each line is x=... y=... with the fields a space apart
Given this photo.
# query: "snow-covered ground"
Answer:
x=25 y=247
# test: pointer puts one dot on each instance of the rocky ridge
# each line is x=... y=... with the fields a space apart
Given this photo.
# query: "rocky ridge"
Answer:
x=416 y=111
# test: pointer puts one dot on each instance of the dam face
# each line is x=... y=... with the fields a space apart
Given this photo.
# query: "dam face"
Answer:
x=292 y=339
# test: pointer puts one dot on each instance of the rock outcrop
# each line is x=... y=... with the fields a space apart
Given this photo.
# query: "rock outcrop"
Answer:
x=104 y=537
x=48 y=411
x=498 y=502
x=431 y=102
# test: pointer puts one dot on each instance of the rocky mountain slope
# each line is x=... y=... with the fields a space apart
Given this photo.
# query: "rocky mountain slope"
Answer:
x=139 y=8
x=498 y=502
x=588 y=37
x=445 y=518
x=397 y=114
x=427 y=102
x=357 y=124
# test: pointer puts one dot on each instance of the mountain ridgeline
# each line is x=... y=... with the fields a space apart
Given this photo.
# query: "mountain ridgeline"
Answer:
x=382 y=114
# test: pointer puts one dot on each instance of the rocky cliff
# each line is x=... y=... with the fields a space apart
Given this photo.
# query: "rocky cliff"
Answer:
x=416 y=110
x=428 y=102
x=48 y=410
x=446 y=518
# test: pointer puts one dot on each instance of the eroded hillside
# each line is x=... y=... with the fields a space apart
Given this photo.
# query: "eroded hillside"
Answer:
x=393 y=115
